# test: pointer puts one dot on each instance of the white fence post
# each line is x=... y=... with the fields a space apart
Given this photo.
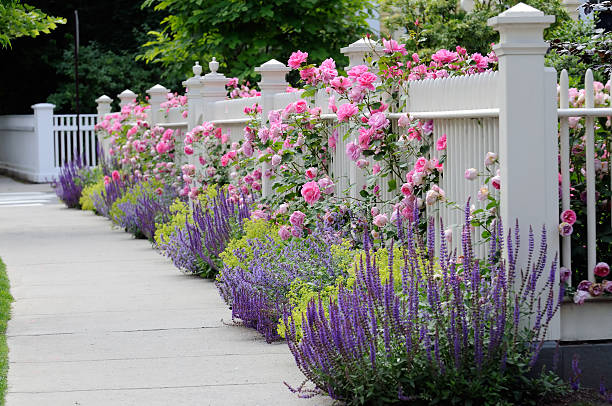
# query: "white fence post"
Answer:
x=126 y=97
x=528 y=131
x=157 y=95
x=45 y=146
x=213 y=90
x=104 y=106
x=195 y=100
x=273 y=80
x=571 y=6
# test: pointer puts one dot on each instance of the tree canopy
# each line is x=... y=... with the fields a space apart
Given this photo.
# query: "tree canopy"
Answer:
x=22 y=20
x=243 y=34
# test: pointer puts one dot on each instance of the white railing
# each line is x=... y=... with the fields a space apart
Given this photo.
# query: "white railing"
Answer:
x=589 y=112
x=72 y=141
x=35 y=146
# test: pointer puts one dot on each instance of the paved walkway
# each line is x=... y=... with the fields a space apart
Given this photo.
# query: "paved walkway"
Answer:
x=102 y=319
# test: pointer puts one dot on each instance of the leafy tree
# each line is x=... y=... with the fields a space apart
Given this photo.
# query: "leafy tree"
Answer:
x=433 y=24
x=22 y=20
x=243 y=34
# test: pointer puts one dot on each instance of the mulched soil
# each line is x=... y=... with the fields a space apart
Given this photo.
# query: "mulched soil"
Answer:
x=581 y=397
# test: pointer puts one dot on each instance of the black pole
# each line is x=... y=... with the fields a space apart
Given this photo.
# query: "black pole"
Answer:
x=76 y=79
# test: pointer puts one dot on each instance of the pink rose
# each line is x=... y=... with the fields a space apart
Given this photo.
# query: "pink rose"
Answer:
x=445 y=56
x=565 y=229
x=311 y=173
x=116 y=176
x=375 y=169
x=188 y=150
x=107 y=180
x=568 y=216
x=391 y=46
x=403 y=121
x=347 y=111
x=607 y=286
x=300 y=106
x=420 y=164
x=483 y=193
x=448 y=235
x=565 y=274
x=353 y=151
x=256 y=186
x=311 y=192
x=580 y=296
x=601 y=269
x=380 y=220
x=496 y=182
x=406 y=189
x=584 y=285
x=362 y=163
x=297 y=231
x=297 y=58
x=490 y=158
x=366 y=80
x=284 y=232
x=441 y=143
x=162 y=147
x=283 y=208
x=333 y=139
x=471 y=174
x=297 y=218
x=326 y=185
x=276 y=159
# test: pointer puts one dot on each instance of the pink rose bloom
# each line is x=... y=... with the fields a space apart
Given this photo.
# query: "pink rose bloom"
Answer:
x=311 y=192
x=403 y=121
x=297 y=58
x=224 y=160
x=311 y=173
x=362 y=163
x=565 y=229
x=607 y=286
x=580 y=296
x=367 y=79
x=496 y=182
x=333 y=139
x=284 y=232
x=568 y=216
x=331 y=104
x=188 y=150
x=116 y=176
x=441 y=143
x=602 y=270
x=381 y=220
x=107 y=180
x=471 y=174
x=347 y=111
x=378 y=120
x=297 y=231
x=490 y=158
x=297 y=218
x=445 y=56
x=448 y=235
x=391 y=46
x=247 y=149
x=364 y=138
x=340 y=84
x=375 y=211
x=565 y=274
x=353 y=151
x=431 y=197
x=256 y=186
x=406 y=189
x=420 y=164
x=375 y=169
x=276 y=159
x=483 y=193
x=300 y=106
x=357 y=71
x=326 y=185
x=162 y=147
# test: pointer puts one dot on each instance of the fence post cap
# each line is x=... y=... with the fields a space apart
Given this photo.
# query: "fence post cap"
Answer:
x=272 y=65
x=522 y=14
x=157 y=89
x=127 y=93
x=103 y=99
x=362 y=45
x=43 y=106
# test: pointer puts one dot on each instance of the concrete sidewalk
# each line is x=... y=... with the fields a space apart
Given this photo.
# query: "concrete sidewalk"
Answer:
x=102 y=319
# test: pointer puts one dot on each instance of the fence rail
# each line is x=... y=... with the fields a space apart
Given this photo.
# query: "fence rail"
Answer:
x=71 y=141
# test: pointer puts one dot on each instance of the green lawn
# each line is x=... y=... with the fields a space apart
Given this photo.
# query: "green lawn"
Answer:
x=5 y=312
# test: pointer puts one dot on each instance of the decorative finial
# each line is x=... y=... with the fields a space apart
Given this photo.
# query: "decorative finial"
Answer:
x=213 y=65
x=197 y=69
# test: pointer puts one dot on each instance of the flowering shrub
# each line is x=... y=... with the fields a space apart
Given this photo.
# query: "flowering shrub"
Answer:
x=237 y=90
x=175 y=101
x=443 y=339
x=258 y=292
x=141 y=208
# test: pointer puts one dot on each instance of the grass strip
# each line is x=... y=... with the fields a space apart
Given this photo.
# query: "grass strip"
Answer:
x=5 y=313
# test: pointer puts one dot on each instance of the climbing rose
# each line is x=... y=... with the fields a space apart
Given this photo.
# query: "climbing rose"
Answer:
x=284 y=232
x=565 y=274
x=602 y=269
x=568 y=216
x=353 y=151
x=483 y=193
x=347 y=111
x=297 y=58
x=311 y=192
x=490 y=159
x=380 y=220
x=311 y=173
x=441 y=143
x=496 y=182
x=115 y=176
x=188 y=150
x=392 y=46
x=471 y=174
x=403 y=121
x=297 y=218
x=565 y=229
x=326 y=185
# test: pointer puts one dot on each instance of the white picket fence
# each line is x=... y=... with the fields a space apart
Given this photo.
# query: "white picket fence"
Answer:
x=34 y=147
x=513 y=112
